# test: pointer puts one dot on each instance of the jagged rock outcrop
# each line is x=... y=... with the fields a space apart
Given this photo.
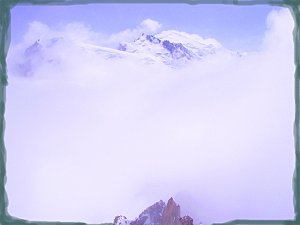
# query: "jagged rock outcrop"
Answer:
x=121 y=220
x=171 y=214
x=186 y=220
x=159 y=213
x=152 y=215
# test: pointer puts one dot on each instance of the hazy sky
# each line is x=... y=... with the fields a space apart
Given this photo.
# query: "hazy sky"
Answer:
x=88 y=139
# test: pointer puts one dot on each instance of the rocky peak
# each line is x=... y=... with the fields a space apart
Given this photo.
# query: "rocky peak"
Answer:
x=153 y=39
x=159 y=213
x=121 y=220
x=171 y=214
x=152 y=215
x=177 y=50
x=186 y=220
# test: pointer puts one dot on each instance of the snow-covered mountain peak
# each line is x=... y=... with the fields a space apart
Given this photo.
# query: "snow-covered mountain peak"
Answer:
x=174 y=47
x=170 y=47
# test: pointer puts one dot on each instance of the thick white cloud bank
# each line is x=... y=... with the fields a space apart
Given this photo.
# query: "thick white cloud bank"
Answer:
x=89 y=139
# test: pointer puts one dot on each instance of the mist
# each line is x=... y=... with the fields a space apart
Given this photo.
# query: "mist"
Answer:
x=89 y=138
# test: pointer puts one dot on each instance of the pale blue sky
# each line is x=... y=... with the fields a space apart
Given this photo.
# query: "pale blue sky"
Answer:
x=237 y=27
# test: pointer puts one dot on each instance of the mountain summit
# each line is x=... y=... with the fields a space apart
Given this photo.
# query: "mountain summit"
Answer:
x=173 y=47
x=159 y=213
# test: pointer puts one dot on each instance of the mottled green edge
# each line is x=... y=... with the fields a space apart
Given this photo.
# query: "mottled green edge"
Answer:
x=5 y=7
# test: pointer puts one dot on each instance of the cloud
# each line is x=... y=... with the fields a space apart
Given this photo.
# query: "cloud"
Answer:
x=279 y=23
x=147 y=26
x=98 y=138
x=73 y=32
x=150 y=25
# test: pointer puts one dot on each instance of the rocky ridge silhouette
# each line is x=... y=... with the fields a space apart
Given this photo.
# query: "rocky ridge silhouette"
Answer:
x=159 y=213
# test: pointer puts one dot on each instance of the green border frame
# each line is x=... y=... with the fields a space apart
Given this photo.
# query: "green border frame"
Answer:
x=7 y=5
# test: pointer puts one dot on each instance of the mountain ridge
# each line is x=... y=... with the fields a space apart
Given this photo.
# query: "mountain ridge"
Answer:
x=159 y=213
x=171 y=48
